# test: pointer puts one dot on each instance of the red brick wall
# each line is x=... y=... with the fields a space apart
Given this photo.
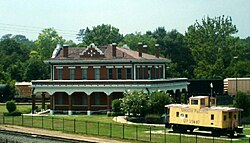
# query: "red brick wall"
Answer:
x=90 y=73
x=78 y=71
x=103 y=73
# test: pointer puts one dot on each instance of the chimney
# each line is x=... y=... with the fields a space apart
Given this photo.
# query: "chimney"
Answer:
x=157 y=50
x=65 y=51
x=145 y=48
x=140 y=49
x=114 y=49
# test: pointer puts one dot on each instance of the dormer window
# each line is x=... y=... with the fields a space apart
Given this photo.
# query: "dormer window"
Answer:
x=92 y=51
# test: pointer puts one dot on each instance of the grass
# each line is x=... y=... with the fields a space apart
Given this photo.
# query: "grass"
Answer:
x=21 y=108
x=103 y=126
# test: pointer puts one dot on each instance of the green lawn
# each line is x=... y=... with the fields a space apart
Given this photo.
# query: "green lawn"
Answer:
x=21 y=108
x=103 y=126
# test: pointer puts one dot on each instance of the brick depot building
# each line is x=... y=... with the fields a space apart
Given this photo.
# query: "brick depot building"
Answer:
x=88 y=79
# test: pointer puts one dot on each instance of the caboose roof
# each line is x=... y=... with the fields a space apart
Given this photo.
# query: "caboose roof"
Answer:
x=218 y=108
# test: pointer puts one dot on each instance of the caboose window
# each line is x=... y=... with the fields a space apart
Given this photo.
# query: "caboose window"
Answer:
x=224 y=117
x=230 y=115
x=212 y=116
x=202 y=101
x=235 y=117
x=194 y=102
x=177 y=114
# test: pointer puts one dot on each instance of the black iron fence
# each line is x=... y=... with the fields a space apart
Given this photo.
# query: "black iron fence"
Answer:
x=115 y=130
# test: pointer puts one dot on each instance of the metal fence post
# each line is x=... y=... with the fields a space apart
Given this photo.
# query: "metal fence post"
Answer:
x=110 y=130
x=196 y=138
x=22 y=119
x=150 y=133
x=136 y=132
x=248 y=140
x=32 y=120
x=165 y=132
x=52 y=123
x=86 y=127
x=12 y=120
x=63 y=124
x=122 y=131
x=180 y=137
x=74 y=125
x=98 y=128
x=42 y=121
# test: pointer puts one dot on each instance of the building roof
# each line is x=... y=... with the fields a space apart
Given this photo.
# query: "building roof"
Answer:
x=92 y=53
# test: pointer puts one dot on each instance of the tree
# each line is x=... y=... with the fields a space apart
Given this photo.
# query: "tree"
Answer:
x=157 y=101
x=101 y=35
x=135 y=103
x=242 y=101
x=212 y=45
x=47 y=41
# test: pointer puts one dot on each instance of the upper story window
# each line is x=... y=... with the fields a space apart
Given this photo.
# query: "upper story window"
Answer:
x=72 y=73
x=59 y=74
x=97 y=73
x=110 y=73
x=202 y=101
x=149 y=72
x=128 y=73
x=84 y=73
x=138 y=72
x=119 y=73
x=143 y=72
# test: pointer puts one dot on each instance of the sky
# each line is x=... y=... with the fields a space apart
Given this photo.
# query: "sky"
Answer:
x=29 y=17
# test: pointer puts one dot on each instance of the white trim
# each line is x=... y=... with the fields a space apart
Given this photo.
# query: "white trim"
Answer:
x=96 y=67
x=57 y=67
x=138 y=66
x=143 y=66
x=109 y=67
x=84 y=67
x=127 y=66
x=71 y=67
x=149 y=66
x=118 y=66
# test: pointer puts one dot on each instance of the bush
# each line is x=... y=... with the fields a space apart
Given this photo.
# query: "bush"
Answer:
x=153 y=119
x=136 y=119
x=14 y=113
x=116 y=105
x=11 y=106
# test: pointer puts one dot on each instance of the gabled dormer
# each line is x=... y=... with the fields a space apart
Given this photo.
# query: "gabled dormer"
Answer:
x=92 y=52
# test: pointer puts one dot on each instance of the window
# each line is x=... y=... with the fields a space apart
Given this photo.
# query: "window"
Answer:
x=224 y=117
x=177 y=114
x=186 y=115
x=59 y=74
x=71 y=74
x=110 y=73
x=202 y=101
x=128 y=73
x=138 y=72
x=149 y=73
x=235 y=117
x=119 y=73
x=97 y=99
x=212 y=116
x=84 y=73
x=143 y=73
x=230 y=115
x=194 y=102
x=97 y=73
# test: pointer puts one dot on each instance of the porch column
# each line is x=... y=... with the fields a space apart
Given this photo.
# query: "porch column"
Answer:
x=33 y=103
x=70 y=104
x=43 y=101
x=108 y=103
x=89 y=105
x=51 y=104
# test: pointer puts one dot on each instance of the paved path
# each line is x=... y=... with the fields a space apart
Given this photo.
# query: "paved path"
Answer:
x=122 y=119
x=59 y=134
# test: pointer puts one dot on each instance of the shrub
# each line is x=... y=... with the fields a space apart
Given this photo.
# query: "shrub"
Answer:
x=14 y=113
x=153 y=119
x=11 y=106
x=113 y=114
x=116 y=105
